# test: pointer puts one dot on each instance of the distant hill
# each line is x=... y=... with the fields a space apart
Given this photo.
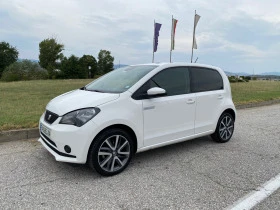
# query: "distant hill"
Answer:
x=116 y=66
x=33 y=60
x=246 y=74
x=271 y=73
x=236 y=74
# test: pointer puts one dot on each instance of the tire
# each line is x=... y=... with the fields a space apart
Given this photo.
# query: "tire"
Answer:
x=224 y=129
x=111 y=152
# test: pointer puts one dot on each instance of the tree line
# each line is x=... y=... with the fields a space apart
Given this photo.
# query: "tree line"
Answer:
x=52 y=63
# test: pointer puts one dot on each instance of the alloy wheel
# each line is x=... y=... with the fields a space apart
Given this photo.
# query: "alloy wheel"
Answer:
x=226 y=128
x=114 y=153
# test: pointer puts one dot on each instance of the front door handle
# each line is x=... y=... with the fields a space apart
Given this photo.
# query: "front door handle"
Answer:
x=190 y=101
x=220 y=96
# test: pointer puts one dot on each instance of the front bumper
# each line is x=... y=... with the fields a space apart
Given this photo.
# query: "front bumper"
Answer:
x=77 y=138
x=57 y=154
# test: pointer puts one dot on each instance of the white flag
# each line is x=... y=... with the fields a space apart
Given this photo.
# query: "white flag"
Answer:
x=196 y=19
x=194 y=43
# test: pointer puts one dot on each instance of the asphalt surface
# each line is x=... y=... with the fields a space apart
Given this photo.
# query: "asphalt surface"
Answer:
x=197 y=174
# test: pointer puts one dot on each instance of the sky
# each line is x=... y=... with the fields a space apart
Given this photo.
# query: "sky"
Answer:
x=238 y=36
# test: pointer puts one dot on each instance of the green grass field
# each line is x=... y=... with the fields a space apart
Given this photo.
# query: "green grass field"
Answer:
x=22 y=103
x=255 y=91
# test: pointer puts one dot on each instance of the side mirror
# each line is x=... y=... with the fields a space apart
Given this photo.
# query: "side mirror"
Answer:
x=156 y=91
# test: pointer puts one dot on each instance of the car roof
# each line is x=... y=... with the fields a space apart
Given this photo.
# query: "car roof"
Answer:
x=179 y=64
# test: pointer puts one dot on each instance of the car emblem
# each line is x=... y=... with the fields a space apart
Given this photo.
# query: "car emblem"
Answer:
x=49 y=117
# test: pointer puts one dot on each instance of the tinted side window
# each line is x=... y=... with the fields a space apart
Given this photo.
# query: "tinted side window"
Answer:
x=174 y=80
x=203 y=79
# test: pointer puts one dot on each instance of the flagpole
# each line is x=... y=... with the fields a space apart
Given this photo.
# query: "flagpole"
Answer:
x=193 y=34
x=171 y=39
x=154 y=42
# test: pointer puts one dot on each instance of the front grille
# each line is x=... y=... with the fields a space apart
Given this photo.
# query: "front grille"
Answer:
x=50 y=117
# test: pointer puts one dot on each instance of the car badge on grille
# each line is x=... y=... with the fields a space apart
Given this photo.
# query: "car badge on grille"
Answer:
x=49 y=117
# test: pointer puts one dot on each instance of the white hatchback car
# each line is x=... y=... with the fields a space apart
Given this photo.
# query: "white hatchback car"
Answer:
x=137 y=108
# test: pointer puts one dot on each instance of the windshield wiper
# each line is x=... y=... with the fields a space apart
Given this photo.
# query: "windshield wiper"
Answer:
x=98 y=91
x=83 y=88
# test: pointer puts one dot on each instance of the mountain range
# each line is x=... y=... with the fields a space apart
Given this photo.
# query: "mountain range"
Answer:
x=116 y=66
x=246 y=74
x=271 y=73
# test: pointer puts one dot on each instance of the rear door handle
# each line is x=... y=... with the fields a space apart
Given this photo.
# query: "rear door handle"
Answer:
x=148 y=107
x=190 y=101
x=220 y=96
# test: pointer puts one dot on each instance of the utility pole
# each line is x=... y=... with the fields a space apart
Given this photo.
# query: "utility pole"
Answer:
x=171 y=39
x=154 y=43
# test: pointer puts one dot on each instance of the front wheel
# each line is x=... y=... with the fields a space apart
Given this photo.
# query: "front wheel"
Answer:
x=224 y=129
x=111 y=152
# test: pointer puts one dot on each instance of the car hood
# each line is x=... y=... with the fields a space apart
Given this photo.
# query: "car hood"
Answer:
x=78 y=99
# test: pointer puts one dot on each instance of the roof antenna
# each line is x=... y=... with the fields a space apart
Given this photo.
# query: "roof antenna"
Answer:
x=196 y=59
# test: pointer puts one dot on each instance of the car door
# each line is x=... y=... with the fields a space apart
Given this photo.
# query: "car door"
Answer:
x=208 y=86
x=171 y=116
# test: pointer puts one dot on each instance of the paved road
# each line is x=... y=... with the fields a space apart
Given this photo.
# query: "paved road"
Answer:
x=197 y=174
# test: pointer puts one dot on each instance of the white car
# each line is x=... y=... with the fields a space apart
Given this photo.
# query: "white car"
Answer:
x=137 y=108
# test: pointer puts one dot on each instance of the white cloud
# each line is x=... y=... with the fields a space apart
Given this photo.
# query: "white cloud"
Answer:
x=125 y=27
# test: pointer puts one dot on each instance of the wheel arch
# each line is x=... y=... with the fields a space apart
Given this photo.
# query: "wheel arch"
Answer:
x=230 y=111
x=227 y=110
x=120 y=126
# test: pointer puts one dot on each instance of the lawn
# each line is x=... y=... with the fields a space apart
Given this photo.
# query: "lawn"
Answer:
x=22 y=103
x=255 y=91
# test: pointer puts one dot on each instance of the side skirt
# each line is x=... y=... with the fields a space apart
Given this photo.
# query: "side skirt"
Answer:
x=174 y=141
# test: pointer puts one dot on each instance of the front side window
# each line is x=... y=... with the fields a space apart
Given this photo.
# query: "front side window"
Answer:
x=120 y=80
x=204 y=79
x=175 y=81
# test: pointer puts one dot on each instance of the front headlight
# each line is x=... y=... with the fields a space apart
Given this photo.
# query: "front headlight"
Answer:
x=79 y=117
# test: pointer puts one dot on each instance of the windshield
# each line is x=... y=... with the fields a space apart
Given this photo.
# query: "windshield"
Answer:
x=119 y=80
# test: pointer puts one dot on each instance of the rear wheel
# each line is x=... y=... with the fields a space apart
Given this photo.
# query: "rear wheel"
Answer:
x=224 y=129
x=111 y=152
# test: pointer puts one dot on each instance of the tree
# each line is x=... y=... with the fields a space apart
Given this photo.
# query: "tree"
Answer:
x=105 y=62
x=88 y=61
x=50 y=54
x=8 y=55
x=247 y=78
x=24 y=70
x=72 y=69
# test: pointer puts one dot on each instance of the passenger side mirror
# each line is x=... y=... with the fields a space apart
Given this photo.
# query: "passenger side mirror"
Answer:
x=156 y=91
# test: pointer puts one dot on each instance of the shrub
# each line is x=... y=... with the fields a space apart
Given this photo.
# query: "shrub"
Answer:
x=232 y=79
x=24 y=70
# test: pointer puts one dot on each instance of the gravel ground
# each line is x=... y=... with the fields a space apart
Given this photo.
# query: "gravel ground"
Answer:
x=197 y=174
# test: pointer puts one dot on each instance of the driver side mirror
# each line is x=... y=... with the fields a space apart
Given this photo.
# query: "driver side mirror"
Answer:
x=156 y=91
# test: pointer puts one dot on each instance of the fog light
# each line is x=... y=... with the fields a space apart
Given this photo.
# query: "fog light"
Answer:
x=67 y=149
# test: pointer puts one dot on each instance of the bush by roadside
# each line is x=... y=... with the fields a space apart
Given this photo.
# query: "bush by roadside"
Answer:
x=233 y=79
x=24 y=70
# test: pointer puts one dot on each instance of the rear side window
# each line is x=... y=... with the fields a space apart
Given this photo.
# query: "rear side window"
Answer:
x=204 y=79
